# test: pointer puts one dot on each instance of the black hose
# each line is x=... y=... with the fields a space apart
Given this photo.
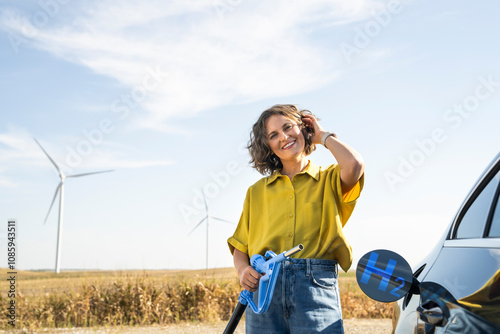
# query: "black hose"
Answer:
x=235 y=318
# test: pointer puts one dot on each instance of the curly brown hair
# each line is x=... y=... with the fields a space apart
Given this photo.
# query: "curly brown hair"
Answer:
x=263 y=158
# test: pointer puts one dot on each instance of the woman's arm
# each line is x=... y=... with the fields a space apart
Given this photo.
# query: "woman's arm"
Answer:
x=351 y=163
x=249 y=277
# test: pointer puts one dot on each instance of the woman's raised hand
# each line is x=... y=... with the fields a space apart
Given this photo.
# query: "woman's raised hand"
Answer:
x=311 y=122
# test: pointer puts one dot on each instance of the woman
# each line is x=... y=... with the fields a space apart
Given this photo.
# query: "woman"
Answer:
x=298 y=202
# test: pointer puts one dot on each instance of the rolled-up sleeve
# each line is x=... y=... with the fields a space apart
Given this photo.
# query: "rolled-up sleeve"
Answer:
x=239 y=240
x=347 y=201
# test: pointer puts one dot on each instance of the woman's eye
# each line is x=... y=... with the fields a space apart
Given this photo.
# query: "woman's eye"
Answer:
x=272 y=136
x=288 y=127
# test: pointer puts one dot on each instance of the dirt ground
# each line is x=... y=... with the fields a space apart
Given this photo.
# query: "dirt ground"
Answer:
x=351 y=326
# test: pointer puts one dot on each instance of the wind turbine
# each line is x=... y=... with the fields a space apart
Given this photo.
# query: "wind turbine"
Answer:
x=60 y=191
x=207 y=218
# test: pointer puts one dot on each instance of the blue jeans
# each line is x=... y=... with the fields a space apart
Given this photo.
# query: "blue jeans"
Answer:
x=306 y=300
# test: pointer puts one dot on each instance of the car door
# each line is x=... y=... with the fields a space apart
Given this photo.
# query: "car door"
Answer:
x=470 y=255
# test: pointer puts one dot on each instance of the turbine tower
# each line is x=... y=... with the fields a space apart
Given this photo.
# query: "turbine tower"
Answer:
x=207 y=218
x=60 y=191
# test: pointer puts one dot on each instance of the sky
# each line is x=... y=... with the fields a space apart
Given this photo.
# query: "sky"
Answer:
x=165 y=93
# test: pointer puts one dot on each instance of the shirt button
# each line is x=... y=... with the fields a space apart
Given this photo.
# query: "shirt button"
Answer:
x=290 y=235
x=291 y=196
x=291 y=215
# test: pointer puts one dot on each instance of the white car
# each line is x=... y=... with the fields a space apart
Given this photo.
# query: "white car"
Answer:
x=466 y=263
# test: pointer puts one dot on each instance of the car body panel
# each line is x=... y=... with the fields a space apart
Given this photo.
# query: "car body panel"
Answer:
x=464 y=270
x=462 y=266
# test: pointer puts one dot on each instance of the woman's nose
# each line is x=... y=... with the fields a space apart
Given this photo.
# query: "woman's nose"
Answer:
x=283 y=136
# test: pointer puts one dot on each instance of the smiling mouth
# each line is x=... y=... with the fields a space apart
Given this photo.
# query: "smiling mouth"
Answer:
x=288 y=145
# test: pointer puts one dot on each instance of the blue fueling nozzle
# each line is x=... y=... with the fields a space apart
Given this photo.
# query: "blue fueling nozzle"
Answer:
x=270 y=268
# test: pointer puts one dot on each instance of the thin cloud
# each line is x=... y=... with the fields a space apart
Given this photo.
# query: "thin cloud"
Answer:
x=122 y=164
x=17 y=145
x=19 y=150
x=208 y=56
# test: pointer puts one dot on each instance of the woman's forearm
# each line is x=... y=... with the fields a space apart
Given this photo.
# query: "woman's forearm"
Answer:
x=350 y=161
x=241 y=261
x=249 y=277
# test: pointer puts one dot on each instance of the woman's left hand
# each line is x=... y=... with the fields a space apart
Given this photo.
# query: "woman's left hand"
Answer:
x=312 y=122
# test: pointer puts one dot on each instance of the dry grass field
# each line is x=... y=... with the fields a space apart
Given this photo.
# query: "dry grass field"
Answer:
x=187 y=298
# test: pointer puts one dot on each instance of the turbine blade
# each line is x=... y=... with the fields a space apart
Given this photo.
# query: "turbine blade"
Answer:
x=222 y=220
x=53 y=200
x=85 y=174
x=48 y=156
x=205 y=200
x=197 y=225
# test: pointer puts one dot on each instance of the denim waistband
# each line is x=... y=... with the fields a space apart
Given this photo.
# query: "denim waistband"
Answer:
x=310 y=264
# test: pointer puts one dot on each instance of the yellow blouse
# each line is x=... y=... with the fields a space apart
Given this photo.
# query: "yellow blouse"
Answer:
x=280 y=213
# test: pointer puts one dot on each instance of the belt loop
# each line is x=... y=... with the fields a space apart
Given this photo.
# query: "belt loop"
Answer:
x=336 y=268
x=308 y=271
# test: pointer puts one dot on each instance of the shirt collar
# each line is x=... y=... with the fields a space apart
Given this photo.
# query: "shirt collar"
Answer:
x=312 y=169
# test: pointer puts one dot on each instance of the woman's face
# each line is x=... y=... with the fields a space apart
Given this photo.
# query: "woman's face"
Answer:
x=285 y=138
